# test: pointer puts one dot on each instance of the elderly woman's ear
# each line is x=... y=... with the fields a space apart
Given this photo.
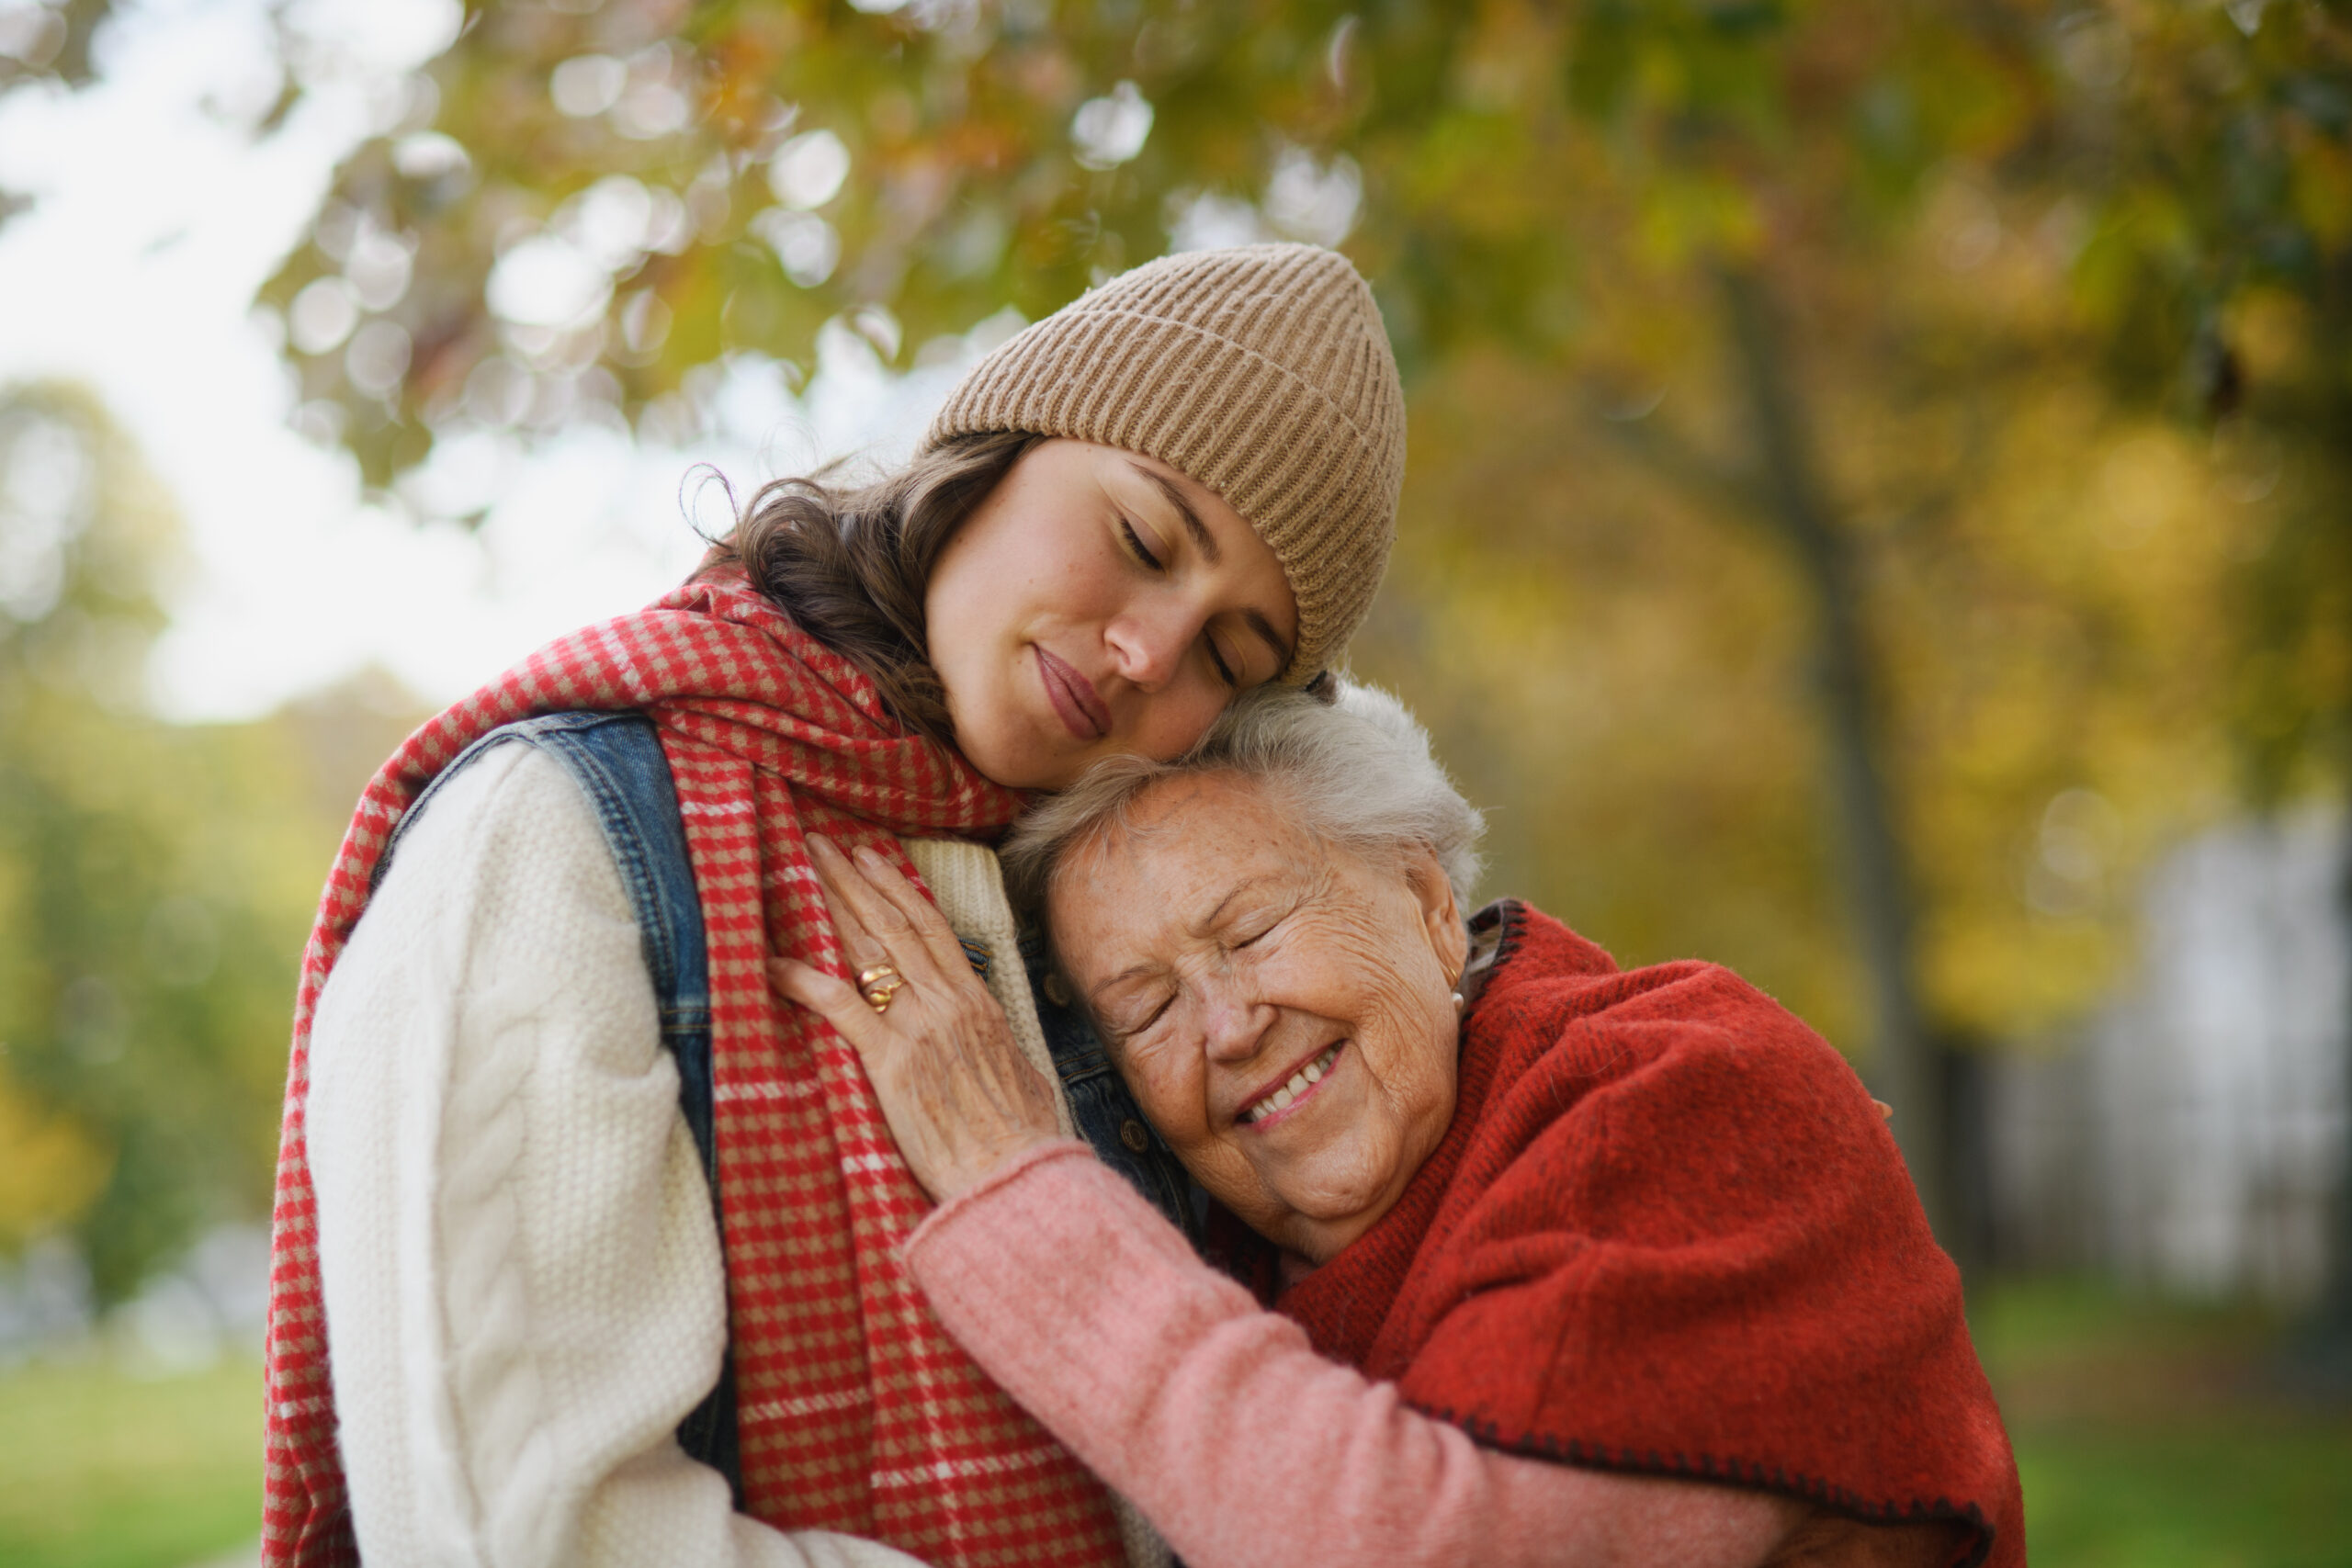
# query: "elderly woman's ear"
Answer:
x=1440 y=914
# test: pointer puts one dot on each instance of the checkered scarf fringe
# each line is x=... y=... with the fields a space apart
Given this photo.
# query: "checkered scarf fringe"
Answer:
x=857 y=1412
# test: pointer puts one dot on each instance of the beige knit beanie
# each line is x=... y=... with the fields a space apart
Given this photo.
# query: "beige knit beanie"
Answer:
x=1264 y=373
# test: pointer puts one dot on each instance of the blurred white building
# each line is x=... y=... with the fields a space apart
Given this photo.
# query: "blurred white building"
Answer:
x=2193 y=1136
x=213 y=1302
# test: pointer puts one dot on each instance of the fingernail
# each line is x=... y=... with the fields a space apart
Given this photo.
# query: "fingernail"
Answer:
x=866 y=856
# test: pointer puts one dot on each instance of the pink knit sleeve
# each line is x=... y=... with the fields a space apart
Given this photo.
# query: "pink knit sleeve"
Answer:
x=1232 y=1435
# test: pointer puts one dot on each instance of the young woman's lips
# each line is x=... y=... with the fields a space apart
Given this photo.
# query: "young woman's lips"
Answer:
x=1075 y=700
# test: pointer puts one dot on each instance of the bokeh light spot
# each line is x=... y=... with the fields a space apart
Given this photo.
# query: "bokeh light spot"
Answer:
x=546 y=281
x=587 y=84
x=807 y=171
x=1111 y=131
x=321 y=316
x=378 y=358
x=802 y=241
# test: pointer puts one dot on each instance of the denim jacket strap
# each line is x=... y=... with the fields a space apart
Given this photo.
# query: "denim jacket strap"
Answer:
x=616 y=759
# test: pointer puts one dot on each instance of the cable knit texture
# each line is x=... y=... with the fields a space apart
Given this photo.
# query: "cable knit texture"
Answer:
x=967 y=884
x=518 y=1250
x=1263 y=371
x=856 y=1413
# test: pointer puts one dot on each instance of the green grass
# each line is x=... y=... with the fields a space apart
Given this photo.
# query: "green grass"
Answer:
x=2228 y=1493
x=100 y=1467
x=2149 y=1435
x=2154 y=1434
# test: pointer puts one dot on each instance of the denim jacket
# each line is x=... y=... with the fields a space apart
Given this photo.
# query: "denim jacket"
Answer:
x=1105 y=1112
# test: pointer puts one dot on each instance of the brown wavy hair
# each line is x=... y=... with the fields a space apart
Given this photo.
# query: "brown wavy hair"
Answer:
x=851 y=565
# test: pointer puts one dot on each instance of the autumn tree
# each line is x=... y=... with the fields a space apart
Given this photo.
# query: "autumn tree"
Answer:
x=155 y=880
x=1873 y=466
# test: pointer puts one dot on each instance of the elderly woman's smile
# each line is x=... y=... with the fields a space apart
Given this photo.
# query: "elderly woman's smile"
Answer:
x=1281 y=1006
x=1650 y=1211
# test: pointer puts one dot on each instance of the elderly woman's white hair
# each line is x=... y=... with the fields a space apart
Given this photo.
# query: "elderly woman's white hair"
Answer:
x=1355 y=769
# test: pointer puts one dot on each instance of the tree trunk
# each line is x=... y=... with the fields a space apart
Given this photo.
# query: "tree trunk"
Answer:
x=2325 y=1343
x=2324 y=1351
x=1878 y=892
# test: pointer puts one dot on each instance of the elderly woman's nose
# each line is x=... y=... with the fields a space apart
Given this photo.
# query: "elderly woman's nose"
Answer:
x=1232 y=1027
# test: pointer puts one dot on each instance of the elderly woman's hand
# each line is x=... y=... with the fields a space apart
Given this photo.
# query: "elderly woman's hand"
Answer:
x=959 y=1097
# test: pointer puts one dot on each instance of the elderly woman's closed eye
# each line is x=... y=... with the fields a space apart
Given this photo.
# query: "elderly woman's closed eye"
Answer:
x=1576 y=1265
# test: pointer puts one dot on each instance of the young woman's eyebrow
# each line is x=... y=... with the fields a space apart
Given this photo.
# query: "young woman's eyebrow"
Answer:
x=1205 y=542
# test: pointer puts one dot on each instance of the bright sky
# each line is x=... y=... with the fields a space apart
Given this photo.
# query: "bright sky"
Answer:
x=158 y=214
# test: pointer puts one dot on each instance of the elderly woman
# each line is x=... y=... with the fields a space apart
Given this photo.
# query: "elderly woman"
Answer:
x=1576 y=1265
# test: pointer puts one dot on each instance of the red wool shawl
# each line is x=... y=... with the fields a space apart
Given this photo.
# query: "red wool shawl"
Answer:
x=857 y=1412
x=1668 y=1231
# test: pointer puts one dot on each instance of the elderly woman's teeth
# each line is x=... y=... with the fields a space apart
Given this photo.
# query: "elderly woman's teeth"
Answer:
x=1300 y=1082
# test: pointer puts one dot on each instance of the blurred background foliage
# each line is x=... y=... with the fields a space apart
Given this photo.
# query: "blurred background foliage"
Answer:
x=1877 y=470
x=1880 y=471
x=155 y=880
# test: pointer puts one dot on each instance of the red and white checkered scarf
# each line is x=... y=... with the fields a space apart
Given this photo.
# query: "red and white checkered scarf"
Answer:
x=857 y=1412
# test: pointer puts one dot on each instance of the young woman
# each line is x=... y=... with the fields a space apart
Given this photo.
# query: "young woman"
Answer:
x=498 y=1296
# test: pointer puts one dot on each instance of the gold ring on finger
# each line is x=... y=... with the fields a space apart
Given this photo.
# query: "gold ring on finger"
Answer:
x=879 y=983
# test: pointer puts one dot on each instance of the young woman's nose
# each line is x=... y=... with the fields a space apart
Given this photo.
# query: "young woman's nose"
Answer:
x=1148 y=645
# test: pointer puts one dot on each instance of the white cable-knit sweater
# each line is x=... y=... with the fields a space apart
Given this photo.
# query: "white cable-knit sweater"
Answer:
x=523 y=1288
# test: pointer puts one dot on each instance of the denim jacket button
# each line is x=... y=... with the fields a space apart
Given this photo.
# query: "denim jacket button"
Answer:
x=1132 y=1133
x=1056 y=992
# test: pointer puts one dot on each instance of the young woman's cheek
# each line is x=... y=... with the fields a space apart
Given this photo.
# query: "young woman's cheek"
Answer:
x=1178 y=717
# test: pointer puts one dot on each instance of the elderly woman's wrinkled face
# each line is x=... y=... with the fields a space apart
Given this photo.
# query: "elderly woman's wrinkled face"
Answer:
x=1281 y=1006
